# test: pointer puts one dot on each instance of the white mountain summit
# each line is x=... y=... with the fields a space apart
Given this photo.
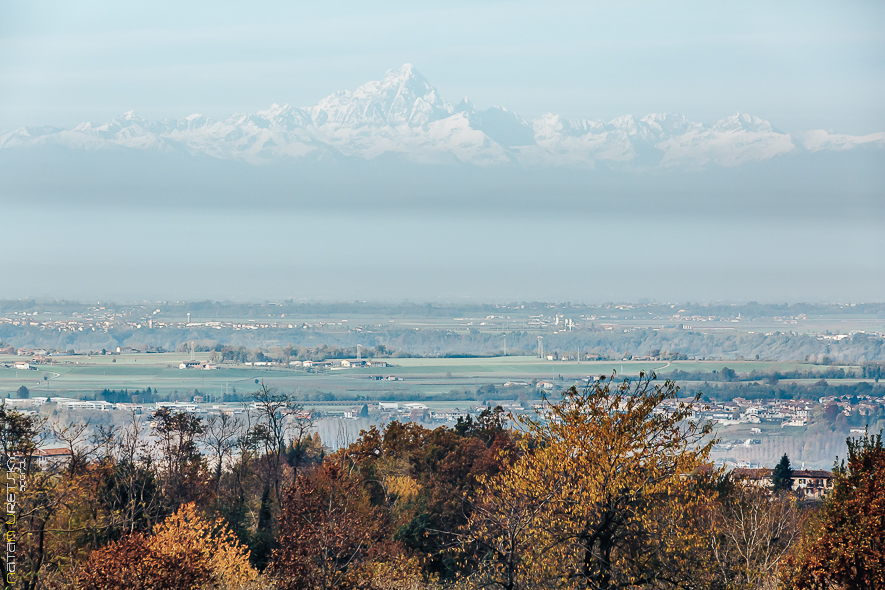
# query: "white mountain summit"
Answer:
x=403 y=115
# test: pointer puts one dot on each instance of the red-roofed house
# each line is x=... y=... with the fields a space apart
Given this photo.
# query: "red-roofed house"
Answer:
x=809 y=483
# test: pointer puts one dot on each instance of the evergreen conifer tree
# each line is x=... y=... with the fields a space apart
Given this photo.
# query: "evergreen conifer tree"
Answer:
x=782 y=475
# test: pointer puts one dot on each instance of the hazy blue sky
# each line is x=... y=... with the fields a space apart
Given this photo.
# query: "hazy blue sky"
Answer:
x=802 y=65
x=137 y=224
x=194 y=253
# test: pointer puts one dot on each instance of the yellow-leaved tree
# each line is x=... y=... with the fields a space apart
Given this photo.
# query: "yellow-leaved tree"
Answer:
x=600 y=495
x=185 y=552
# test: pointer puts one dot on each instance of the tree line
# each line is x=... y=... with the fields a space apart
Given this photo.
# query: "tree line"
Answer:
x=602 y=490
x=865 y=371
x=785 y=390
x=673 y=343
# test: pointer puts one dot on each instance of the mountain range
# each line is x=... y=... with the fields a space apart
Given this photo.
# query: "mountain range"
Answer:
x=404 y=116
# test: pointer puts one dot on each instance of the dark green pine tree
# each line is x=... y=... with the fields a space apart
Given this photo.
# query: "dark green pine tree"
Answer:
x=782 y=475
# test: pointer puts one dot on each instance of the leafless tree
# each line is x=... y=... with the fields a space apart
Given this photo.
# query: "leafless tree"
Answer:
x=221 y=433
x=183 y=473
x=751 y=532
x=275 y=412
x=74 y=438
x=301 y=426
x=130 y=458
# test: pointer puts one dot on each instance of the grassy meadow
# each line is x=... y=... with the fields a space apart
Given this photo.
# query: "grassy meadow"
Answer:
x=82 y=376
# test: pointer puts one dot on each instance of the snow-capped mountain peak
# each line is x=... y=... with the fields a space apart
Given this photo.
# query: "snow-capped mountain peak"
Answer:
x=743 y=122
x=466 y=106
x=402 y=97
x=666 y=124
x=403 y=114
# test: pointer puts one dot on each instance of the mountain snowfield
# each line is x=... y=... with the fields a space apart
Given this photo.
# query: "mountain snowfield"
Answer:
x=404 y=116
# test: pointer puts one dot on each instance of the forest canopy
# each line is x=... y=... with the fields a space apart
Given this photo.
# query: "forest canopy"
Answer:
x=603 y=488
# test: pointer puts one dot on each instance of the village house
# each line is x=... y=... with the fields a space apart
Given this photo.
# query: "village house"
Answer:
x=49 y=458
x=810 y=484
x=129 y=407
x=177 y=406
x=99 y=405
x=795 y=421
x=449 y=415
x=317 y=364
x=52 y=458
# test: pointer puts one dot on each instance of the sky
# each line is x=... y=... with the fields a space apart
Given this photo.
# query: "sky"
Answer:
x=98 y=228
x=314 y=255
x=801 y=65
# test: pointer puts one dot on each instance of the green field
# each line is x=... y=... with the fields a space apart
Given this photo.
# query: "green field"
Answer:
x=429 y=380
x=82 y=376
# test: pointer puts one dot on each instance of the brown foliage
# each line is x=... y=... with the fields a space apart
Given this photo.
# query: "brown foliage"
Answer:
x=185 y=552
x=134 y=563
x=327 y=530
x=419 y=478
x=845 y=546
x=395 y=572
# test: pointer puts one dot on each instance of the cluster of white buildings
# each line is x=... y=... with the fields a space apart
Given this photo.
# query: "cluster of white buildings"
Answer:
x=192 y=364
x=785 y=412
x=30 y=405
x=100 y=319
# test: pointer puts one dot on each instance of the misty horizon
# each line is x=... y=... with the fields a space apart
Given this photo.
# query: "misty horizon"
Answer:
x=396 y=188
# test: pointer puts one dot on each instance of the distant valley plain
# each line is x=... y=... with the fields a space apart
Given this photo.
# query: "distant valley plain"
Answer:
x=436 y=361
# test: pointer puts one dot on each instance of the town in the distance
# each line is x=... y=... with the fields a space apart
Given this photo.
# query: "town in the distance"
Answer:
x=774 y=379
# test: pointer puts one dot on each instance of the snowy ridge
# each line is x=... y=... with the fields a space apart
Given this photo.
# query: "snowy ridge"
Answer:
x=403 y=115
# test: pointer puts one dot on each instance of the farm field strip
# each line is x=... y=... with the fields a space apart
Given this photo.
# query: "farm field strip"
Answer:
x=422 y=376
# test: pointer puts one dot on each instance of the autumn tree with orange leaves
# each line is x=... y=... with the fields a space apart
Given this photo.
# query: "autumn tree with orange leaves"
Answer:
x=599 y=497
x=186 y=551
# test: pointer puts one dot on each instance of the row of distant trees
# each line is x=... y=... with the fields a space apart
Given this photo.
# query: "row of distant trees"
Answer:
x=604 y=491
x=789 y=390
x=241 y=354
x=670 y=344
x=867 y=370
